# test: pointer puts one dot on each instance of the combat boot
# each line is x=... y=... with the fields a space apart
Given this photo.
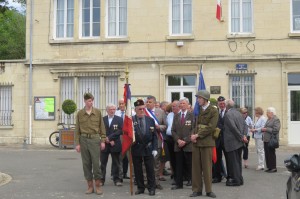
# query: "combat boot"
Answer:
x=98 y=187
x=90 y=187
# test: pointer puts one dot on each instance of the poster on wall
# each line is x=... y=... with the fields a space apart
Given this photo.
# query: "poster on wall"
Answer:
x=44 y=108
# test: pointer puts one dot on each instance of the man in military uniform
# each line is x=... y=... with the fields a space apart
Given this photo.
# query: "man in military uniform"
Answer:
x=203 y=143
x=144 y=149
x=90 y=133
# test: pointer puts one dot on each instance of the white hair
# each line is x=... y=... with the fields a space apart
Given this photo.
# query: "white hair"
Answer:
x=110 y=105
x=184 y=99
x=271 y=110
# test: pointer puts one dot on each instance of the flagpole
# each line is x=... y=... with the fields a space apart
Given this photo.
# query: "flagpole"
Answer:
x=130 y=156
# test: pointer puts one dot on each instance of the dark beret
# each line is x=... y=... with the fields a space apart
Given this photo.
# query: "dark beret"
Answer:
x=139 y=102
x=221 y=98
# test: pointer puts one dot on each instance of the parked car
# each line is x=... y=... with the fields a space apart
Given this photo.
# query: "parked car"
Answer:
x=293 y=183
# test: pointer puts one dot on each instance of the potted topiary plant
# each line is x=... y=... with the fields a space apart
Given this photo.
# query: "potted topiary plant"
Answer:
x=67 y=136
x=69 y=107
x=213 y=102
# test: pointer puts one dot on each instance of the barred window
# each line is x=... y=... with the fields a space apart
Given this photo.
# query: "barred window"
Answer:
x=6 y=105
x=242 y=91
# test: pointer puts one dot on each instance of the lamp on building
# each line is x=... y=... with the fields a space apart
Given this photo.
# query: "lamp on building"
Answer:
x=2 y=67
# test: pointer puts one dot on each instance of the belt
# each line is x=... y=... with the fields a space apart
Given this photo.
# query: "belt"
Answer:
x=90 y=136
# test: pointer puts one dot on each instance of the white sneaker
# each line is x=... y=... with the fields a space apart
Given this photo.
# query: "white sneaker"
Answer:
x=259 y=168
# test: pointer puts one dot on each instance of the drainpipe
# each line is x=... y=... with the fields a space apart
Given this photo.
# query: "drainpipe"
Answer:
x=30 y=73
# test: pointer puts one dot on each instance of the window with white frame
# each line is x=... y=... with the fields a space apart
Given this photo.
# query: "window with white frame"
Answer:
x=242 y=91
x=295 y=15
x=117 y=18
x=6 y=105
x=181 y=17
x=64 y=19
x=90 y=18
x=241 y=16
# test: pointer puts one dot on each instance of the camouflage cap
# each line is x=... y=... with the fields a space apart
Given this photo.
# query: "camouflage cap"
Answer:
x=88 y=96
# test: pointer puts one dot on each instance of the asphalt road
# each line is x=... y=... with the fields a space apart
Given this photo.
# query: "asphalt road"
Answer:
x=44 y=172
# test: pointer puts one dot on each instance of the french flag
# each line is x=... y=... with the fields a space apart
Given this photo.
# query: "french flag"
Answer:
x=128 y=132
x=219 y=10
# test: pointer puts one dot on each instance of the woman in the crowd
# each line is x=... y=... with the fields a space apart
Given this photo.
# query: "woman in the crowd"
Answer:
x=272 y=126
x=249 y=123
x=258 y=137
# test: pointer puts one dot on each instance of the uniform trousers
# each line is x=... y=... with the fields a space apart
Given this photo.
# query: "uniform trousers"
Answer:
x=183 y=158
x=115 y=156
x=219 y=169
x=138 y=172
x=201 y=169
x=156 y=164
x=259 y=144
x=270 y=156
x=235 y=165
x=90 y=154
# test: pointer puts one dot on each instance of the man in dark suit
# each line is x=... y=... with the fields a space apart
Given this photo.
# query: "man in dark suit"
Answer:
x=160 y=125
x=113 y=125
x=144 y=149
x=182 y=130
x=219 y=168
x=234 y=139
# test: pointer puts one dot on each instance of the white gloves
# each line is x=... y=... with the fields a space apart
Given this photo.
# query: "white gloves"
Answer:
x=154 y=153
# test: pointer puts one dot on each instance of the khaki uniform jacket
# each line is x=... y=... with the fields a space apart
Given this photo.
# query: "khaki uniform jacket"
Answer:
x=206 y=125
x=183 y=131
x=89 y=124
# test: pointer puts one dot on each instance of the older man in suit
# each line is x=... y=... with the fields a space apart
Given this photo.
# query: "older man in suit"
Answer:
x=234 y=139
x=182 y=130
x=113 y=125
x=160 y=125
x=144 y=149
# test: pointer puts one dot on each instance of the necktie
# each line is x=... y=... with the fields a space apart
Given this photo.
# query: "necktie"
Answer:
x=182 y=119
x=141 y=125
x=221 y=114
x=122 y=115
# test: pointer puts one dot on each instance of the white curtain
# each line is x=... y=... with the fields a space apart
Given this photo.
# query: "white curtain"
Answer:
x=70 y=18
x=112 y=12
x=296 y=15
x=175 y=16
x=96 y=18
x=117 y=17
x=123 y=18
x=241 y=16
x=60 y=7
x=187 y=16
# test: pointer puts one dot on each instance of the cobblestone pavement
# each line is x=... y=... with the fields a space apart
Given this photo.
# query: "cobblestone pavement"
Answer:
x=46 y=172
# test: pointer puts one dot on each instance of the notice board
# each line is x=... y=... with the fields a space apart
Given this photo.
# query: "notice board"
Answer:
x=44 y=108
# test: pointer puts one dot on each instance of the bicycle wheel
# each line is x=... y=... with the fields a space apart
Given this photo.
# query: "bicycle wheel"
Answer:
x=54 y=139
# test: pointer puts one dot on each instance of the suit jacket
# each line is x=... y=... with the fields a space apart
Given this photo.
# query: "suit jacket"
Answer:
x=235 y=129
x=145 y=142
x=113 y=132
x=273 y=126
x=207 y=123
x=161 y=117
x=183 y=131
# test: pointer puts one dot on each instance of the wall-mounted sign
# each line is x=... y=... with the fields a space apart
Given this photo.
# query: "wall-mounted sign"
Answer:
x=44 y=108
x=241 y=66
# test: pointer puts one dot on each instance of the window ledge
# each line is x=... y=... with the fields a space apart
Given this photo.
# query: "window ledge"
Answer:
x=89 y=40
x=294 y=34
x=7 y=127
x=180 y=37
x=240 y=35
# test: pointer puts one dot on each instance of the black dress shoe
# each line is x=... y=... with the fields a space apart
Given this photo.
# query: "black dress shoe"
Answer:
x=176 y=187
x=211 y=194
x=267 y=170
x=232 y=183
x=272 y=171
x=125 y=177
x=216 y=180
x=189 y=183
x=139 y=192
x=195 y=194
x=151 y=193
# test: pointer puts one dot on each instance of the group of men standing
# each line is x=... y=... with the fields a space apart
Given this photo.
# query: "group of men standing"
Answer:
x=187 y=139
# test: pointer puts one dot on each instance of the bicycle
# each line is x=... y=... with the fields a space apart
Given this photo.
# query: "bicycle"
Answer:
x=54 y=137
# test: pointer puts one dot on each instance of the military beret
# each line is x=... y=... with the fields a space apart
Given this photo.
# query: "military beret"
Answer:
x=88 y=96
x=221 y=98
x=139 y=102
